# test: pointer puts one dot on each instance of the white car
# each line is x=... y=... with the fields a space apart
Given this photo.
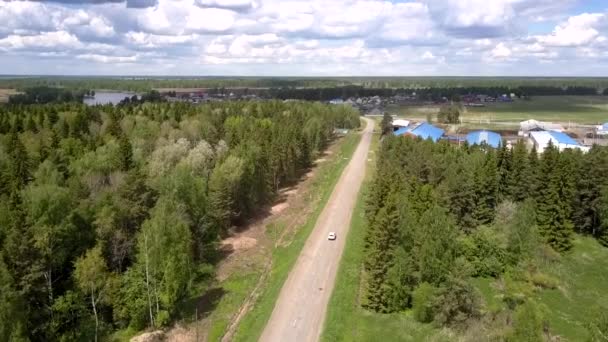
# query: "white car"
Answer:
x=331 y=236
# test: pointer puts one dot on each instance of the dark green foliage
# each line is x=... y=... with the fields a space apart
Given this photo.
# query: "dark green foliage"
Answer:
x=150 y=186
x=387 y=124
x=449 y=114
x=456 y=303
x=438 y=215
x=554 y=200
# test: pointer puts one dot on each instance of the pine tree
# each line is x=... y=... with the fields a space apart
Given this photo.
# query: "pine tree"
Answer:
x=553 y=211
x=18 y=169
x=125 y=153
x=518 y=179
x=380 y=253
x=505 y=167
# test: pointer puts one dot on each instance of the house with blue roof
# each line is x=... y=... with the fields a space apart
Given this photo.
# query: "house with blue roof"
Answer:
x=424 y=130
x=484 y=137
x=560 y=140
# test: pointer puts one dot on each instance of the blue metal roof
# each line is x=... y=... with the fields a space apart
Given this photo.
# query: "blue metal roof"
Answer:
x=563 y=138
x=605 y=126
x=424 y=130
x=480 y=137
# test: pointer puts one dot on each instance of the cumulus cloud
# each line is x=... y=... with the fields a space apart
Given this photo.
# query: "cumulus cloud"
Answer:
x=235 y=5
x=300 y=36
x=576 y=31
x=107 y=59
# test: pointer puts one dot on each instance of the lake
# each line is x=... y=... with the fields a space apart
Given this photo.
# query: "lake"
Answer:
x=103 y=97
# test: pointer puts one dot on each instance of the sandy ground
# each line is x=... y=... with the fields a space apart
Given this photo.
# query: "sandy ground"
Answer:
x=300 y=309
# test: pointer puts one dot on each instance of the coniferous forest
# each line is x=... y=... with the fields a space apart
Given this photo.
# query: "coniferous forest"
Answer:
x=109 y=215
x=440 y=215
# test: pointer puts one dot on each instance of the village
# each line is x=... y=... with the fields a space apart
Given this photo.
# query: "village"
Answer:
x=537 y=134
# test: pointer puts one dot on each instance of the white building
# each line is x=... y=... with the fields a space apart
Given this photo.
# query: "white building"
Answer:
x=601 y=129
x=400 y=123
x=562 y=141
x=525 y=127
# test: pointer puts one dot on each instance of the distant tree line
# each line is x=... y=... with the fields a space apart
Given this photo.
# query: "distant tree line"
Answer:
x=43 y=94
x=142 y=84
x=110 y=216
x=439 y=215
x=425 y=94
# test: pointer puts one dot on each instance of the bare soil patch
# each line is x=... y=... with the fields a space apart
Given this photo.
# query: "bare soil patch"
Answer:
x=6 y=93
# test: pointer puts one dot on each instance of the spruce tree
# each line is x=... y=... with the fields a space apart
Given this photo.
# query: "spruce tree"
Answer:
x=553 y=210
x=516 y=180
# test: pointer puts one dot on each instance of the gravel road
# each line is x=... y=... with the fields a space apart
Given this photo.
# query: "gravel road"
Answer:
x=299 y=312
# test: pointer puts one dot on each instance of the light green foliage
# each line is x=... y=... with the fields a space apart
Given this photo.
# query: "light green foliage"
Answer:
x=528 y=324
x=164 y=255
x=485 y=251
x=598 y=327
x=422 y=302
x=73 y=177
x=449 y=114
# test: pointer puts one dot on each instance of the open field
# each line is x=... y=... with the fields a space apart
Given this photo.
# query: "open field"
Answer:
x=346 y=320
x=575 y=109
x=582 y=288
x=5 y=93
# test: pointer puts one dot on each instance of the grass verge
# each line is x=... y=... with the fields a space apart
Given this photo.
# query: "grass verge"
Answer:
x=346 y=320
x=283 y=257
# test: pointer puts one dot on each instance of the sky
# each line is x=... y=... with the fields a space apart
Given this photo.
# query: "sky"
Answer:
x=305 y=37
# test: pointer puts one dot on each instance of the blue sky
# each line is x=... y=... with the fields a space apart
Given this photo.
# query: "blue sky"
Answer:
x=305 y=37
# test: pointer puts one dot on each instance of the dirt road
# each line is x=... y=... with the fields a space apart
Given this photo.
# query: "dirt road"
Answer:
x=299 y=312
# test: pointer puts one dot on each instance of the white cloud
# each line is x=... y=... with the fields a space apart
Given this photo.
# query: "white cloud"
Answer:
x=49 y=40
x=501 y=51
x=107 y=59
x=301 y=36
x=578 y=30
x=206 y=20
x=236 y=5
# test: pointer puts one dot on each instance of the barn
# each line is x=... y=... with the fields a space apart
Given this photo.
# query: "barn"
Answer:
x=562 y=141
x=423 y=130
x=484 y=137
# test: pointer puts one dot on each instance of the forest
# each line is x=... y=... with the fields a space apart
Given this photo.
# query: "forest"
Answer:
x=141 y=84
x=111 y=215
x=441 y=215
x=425 y=94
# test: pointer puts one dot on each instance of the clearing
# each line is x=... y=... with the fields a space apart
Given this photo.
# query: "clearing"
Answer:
x=6 y=93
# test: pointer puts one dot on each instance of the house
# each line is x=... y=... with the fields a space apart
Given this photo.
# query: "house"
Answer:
x=602 y=129
x=400 y=123
x=561 y=140
x=337 y=101
x=423 y=130
x=484 y=137
x=525 y=127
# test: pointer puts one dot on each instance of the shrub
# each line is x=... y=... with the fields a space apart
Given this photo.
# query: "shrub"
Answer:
x=598 y=328
x=544 y=280
x=422 y=306
x=456 y=303
x=528 y=324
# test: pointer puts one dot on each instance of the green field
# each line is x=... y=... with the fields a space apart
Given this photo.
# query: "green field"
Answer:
x=581 y=291
x=576 y=109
